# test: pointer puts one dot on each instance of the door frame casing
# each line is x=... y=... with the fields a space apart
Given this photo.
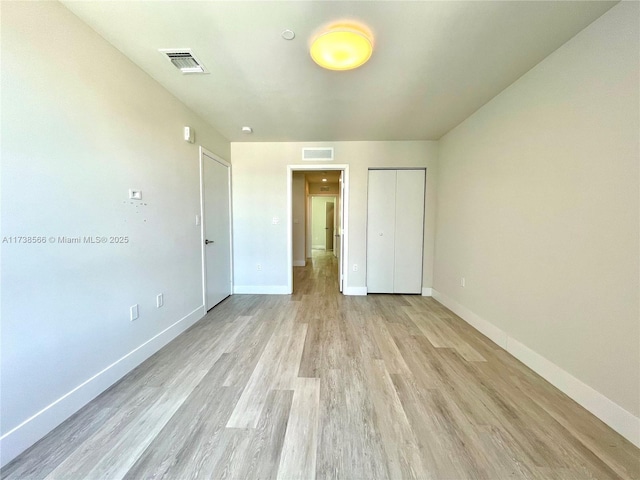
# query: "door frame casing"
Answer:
x=202 y=152
x=345 y=218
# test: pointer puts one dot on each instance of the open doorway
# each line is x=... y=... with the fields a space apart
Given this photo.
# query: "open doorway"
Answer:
x=322 y=221
x=317 y=234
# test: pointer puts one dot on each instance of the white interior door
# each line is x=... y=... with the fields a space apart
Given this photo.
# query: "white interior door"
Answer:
x=216 y=203
x=340 y=234
x=381 y=227
x=329 y=214
x=409 y=233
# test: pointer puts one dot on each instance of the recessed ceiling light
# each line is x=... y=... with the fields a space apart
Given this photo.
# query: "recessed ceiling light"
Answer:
x=288 y=34
x=342 y=47
x=324 y=179
x=247 y=130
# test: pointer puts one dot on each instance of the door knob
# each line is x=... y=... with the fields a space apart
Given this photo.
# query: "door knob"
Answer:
x=207 y=242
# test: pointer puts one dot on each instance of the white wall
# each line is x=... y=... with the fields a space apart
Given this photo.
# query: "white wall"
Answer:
x=260 y=177
x=81 y=125
x=538 y=196
x=299 y=208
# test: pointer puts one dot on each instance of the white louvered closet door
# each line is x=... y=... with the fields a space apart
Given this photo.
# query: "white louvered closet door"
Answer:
x=395 y=225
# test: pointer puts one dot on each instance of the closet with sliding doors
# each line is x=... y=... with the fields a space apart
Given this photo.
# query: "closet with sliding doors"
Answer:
x=395 y=230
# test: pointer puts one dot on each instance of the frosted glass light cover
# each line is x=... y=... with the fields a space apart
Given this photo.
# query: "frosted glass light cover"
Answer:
x=342 y=48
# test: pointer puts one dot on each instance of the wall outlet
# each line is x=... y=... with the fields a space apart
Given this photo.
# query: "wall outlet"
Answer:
x=355 y=267
x=133 y=312
x=258 y=267
x=462 y=282
x=160 y=300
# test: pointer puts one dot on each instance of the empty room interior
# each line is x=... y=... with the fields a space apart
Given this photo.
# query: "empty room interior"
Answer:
x=309 y=239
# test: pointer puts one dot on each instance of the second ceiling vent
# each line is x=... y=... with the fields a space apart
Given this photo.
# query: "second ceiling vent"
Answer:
x=184 y=60
x=317 y=153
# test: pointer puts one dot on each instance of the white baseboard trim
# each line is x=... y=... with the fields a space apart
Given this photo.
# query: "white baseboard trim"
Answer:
x=356 y=291
x=37 y=426
x=299 y=263
x=261 y=289
x=622 y=421
x=619 y=419
x=483 y=326
x=427 y=291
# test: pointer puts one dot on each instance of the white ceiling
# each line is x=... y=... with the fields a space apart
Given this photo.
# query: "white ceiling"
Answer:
x=434 y=62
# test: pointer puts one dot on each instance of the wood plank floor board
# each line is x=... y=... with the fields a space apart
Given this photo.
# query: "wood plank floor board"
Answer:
x=247 y=352
x=361 y=338
x=61 y=443
x=441 y=454
x=442 y=336
x=202 y=415
x=421 y=359
x=111 y=455
x=504 y=458
x=277 y=368
x=299 y=450
x=259 y=455
x=388 y=347
x=400 y=445
x=349 y=445
x=186 y=447
x=317 y=385
x=312 y=351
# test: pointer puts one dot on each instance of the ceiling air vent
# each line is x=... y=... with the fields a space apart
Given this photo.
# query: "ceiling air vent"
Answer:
x=184 y=60
x=311 y=154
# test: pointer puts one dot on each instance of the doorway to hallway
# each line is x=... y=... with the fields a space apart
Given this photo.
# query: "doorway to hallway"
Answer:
x=328 y=245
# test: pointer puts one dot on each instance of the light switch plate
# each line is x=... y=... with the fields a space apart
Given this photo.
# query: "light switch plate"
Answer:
x=133 y=312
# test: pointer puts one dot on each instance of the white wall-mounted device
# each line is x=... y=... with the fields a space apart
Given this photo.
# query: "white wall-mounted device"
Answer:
x=189 y=134
x=135 y=194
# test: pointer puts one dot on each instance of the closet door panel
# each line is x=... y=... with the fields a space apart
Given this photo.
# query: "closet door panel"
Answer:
x=409 y=231
x=381 y=213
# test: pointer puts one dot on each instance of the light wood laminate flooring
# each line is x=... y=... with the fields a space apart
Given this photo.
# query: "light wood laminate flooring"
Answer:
x=317 y=385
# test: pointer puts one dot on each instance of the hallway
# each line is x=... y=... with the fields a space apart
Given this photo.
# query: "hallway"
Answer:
x=319 y=276
x=320 y=385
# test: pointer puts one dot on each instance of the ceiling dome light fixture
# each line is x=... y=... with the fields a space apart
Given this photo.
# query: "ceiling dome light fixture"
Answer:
x=342 y=47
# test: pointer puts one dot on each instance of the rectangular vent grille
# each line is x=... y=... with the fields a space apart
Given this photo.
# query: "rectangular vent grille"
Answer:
x=310 y=154
x=184 y=60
